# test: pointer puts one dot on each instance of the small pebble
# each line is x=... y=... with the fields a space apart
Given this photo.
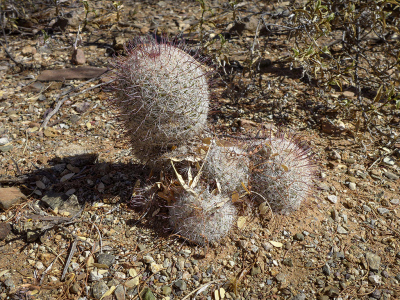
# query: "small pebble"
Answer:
x=333 y=198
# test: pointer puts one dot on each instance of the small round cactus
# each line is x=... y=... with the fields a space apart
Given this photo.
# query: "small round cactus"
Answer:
x=228 y=165
x=202 y=218
x=162 y=94
x=282 y=172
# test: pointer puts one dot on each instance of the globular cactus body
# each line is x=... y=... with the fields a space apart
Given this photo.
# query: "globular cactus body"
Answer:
x=228 y=165
x=163 y=96
x=202 y=218
x=283 y=172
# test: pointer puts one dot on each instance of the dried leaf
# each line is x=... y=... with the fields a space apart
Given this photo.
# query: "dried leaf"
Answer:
x=90 y=261
x=276 y=244
x=263 y=208
x=109 y=292
x=235 y=197
x=156 y=212
x=241 y=221
x=378 y=94
x=285 y=168
x=100 y=266
x=67 y=177
x=222 y=143
x=51 y=132
x=245 y=188
x=207 y=141
x=132 y=272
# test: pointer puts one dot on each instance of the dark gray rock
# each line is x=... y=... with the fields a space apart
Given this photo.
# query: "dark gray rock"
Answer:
x=180 y=284
x=119 y=293
x=99 y=289
x=106 y=259
x=54 y=200
x=326 y=270
x=298 y=237
x=5 y=229
x=299 y=296
x=166 y=290
x=148 y=294
x=374 y=261
x=391 y=175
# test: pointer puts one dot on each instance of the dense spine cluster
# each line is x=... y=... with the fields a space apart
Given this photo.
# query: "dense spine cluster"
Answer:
x=282 y=172
x=162 y=95
x=229 y=166
x=202 y=217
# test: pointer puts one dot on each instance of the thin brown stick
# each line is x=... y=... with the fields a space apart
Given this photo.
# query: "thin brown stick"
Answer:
x=71 y=254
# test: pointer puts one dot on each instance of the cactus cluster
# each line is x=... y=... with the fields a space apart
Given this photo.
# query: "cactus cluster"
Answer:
x=163 y=97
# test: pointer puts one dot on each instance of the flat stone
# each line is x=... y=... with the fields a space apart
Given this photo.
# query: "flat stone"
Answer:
x=75 y=288
x=99 y=289
x=383 y=211
x=180 y=284
x=5 y=229
x=352 y=186
x=333 y=199
x=166 y=290
x=267 y=246
x=331 y=291
x=326 y=270
x=298 y=237
x=374 y=261
x=78 y=57
x=281 y=278
x=391 y=175
x=155 y=268
x=54 y=200
x=255 y=271
x=4 y=141
x=71 y=205
x=95 y=276
x=375 y=279
x=389 y=161
x=119 y=293
x=395 y=201
x=341 y=230
x=76 y=155
x=288 y=262
x=81 y=72
x=299 y=296
x=10 y=196
x=148 y=259
x=106 y=259
x=148 y=294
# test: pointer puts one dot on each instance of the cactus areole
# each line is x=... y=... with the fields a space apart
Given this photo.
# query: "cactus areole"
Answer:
x=162 y=94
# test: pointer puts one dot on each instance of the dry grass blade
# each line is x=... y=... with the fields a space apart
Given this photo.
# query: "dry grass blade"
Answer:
x=67 y=263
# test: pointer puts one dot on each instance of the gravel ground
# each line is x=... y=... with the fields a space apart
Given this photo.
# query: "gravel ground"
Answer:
x=70 y=230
